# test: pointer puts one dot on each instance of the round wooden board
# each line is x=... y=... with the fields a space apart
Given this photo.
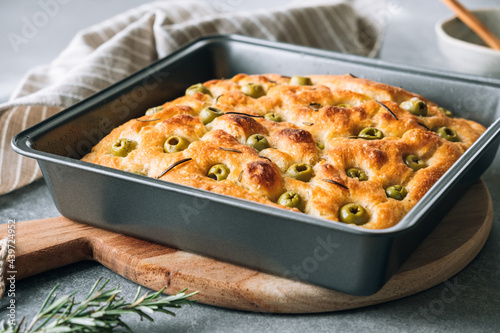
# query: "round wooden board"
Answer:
x=447 y=250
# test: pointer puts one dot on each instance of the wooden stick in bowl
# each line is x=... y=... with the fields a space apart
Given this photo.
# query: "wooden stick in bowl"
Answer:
x=472 y=22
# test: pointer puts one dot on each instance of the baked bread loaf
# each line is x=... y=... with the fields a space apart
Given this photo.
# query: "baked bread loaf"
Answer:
x=333 y=146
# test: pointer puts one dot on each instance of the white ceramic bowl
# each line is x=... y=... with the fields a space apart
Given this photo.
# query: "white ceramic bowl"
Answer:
x=464 y=50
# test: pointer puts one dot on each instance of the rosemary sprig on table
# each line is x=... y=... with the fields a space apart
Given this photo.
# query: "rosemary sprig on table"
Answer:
x=100 y=311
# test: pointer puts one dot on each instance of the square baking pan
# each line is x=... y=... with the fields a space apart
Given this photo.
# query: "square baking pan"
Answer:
x=342 y=257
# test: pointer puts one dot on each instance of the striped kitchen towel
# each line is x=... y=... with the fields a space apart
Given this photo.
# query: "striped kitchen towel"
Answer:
x=110 y=51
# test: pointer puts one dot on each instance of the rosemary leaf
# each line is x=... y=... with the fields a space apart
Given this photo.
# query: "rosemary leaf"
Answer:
x=335 y=183
x=173 y=166
x=387 y=108
x=423 y=125
x=99 y=312
x=230 y=149
x=314 y=106
x=245 y=114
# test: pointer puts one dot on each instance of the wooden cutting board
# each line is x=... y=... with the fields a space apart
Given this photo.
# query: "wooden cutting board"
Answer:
x=46 y=244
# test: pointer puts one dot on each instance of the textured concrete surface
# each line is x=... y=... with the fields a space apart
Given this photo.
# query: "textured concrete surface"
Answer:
x=409 y=39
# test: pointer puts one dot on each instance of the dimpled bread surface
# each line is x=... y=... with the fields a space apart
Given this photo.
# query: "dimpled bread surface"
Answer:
x=311 y=116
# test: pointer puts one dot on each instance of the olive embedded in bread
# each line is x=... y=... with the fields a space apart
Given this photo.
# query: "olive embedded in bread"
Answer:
x=397 y=192
x=300 y=81
x=208 y=114
x=371 y=133
x=446 y=112
x=122 y=147
x=254 y=90
x=273 y=117
x=257 y=141
x=290 y=199
x=198 y=88
x=448 y=134
x=415 y=106
x=353 y=213
x=414 y=162
x=218 y=172
x=175 y=144
x=301 y=172
x=356 y=173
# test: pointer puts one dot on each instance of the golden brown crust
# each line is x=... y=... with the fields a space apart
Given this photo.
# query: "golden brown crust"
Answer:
x=311 y=115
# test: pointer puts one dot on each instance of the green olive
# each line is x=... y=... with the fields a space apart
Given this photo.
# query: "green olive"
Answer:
x=448 y=134
x=273 y=117
x=258 y=141
x=414 y=162
x=122 y=147
x=353 y=213
x=300 y=81
x=320 y=145
x=397 y=192
x=254 y=90
x=446 y=112
x=301 y=172
x=208 y=114
x=195 y=88
x=347 y=106
x=416 y=107
x=154 y=110
x=289 y=199
x=218 y=172
x=356 y=173
x=174 y=144
x=371 y=133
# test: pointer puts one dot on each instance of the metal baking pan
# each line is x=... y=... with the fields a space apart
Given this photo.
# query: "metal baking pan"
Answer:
x=330 y=254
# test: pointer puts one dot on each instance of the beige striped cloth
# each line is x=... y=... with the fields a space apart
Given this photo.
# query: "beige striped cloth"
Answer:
x=110 y=51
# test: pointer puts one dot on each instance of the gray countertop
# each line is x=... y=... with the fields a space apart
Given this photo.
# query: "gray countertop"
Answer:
x=409 y=39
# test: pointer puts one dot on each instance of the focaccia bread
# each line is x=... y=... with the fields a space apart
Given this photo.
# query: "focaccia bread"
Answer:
x=333 y=146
